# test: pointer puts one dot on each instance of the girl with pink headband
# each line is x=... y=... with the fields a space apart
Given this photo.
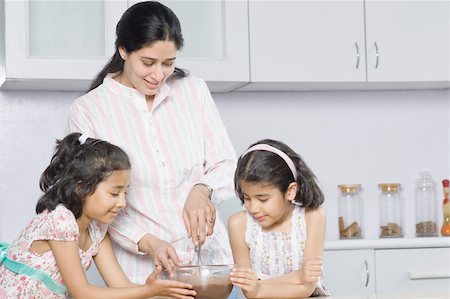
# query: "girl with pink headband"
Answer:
x=278 y=241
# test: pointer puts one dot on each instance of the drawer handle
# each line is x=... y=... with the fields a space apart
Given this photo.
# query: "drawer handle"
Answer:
x=428 y=275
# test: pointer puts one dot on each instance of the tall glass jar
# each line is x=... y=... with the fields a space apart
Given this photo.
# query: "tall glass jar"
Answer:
x=426 y=206
x=391 y=211
x=350 y=211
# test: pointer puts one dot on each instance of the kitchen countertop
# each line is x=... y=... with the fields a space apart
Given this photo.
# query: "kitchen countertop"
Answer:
x=390 y=297
x=388 y=243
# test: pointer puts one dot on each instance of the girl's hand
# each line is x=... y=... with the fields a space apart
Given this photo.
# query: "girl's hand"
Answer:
x=311 y=270
x=162 y=252
x=246 y=279
x=199 y=214
x=168 y=288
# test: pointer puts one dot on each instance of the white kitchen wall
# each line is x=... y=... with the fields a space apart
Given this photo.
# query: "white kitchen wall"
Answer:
x=346 y=137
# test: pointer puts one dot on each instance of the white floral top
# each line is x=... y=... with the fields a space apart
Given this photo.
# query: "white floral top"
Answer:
x=57 y=225
x=274 y=254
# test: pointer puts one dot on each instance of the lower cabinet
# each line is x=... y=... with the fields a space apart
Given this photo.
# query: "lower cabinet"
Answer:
x=413 y=271
x=406 y=271
x=349 y=272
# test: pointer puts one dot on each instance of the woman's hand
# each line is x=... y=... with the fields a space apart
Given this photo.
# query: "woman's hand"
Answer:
x=246 y=279
x=311 y=270
x=168 y=288
x=199 y=214
x=162 y=253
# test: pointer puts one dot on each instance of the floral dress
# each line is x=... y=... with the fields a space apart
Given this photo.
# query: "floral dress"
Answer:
x=57 y=225
x=274 y=254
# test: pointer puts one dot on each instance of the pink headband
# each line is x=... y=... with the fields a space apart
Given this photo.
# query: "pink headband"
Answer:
x=269 y=148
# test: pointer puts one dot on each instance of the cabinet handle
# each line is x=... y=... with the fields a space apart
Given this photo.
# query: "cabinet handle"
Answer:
x=367 y=272
x=357 y=55
x=428 y=275
x=377 y=53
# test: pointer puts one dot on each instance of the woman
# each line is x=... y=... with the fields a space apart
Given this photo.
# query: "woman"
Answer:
x=169 y=125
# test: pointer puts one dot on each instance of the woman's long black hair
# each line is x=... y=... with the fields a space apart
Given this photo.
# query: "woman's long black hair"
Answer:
x=141 y=25
x=76 y=169
x=266 y=167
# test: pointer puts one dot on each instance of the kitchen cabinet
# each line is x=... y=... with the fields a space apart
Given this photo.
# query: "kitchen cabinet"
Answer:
x=401 y=48
x=59 y=45
x=402 y=267
x=349 y=272
x=413 y=271
x=348 y=44
x=215 y=41
x=62 y=45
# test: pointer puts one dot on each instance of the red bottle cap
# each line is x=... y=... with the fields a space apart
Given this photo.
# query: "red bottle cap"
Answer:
x=445 y=183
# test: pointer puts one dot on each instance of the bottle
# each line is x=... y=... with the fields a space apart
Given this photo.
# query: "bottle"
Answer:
x=391 y=211
x=445 y=230
x=350 y=211
x=425 y=199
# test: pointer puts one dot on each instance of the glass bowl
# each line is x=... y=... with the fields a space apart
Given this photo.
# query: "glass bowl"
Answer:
x=209 y=281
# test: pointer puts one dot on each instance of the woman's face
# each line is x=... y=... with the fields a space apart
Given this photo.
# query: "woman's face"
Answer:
x=149 y=67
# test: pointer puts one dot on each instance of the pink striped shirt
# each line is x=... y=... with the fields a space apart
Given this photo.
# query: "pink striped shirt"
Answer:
x=182 y=141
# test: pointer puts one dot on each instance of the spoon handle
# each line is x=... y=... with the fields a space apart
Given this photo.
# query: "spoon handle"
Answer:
x=197 y=249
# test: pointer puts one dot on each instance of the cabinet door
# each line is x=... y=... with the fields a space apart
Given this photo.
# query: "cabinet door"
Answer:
x=58 y=40
x=349 y=272
x=215 y=40
x=424 y=271
x=407 y=40
x=307 y=41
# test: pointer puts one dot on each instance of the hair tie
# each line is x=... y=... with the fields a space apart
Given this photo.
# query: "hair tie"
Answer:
x=82 y=139
x=269 y=148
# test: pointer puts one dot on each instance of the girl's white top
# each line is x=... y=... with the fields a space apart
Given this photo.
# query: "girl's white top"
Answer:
x=274 y=254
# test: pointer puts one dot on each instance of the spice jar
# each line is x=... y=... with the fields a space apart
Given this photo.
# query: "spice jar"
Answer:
x=425 y=199
x=350 y=211
x=391 y=211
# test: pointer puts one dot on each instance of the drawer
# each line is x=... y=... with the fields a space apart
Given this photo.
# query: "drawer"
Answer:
x=424 y=271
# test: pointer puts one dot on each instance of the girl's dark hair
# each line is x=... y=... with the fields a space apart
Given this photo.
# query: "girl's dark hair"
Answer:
x=141 y=25
x=76 y=169
x=266 y=167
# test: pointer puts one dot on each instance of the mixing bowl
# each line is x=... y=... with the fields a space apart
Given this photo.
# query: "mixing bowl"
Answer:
x=209 y=281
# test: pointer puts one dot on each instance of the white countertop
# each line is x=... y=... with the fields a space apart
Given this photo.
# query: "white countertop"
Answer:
x=388 y=243
x=389 y=297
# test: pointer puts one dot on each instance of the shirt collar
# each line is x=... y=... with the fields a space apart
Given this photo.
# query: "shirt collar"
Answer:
x=161 y=95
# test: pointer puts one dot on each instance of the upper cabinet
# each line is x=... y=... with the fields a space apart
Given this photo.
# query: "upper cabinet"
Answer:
x=307 y=41
x=342 y=44
x=59 y=45
x=240 y=45
x=215 y=41
x=64 y=44
x=407 y=41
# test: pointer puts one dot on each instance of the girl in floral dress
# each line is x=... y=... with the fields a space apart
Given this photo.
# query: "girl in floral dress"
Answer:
x=278 y=241
x=84 y=188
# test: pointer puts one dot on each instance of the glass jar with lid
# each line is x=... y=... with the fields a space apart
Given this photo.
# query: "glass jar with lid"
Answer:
x=426 y=206
x=350 y=211
x=391 y=211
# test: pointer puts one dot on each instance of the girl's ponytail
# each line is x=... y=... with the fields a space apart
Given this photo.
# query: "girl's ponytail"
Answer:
x=64 y=153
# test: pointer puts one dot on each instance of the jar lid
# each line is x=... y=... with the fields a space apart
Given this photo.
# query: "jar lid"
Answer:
x=349 y=187
x=391 y=187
